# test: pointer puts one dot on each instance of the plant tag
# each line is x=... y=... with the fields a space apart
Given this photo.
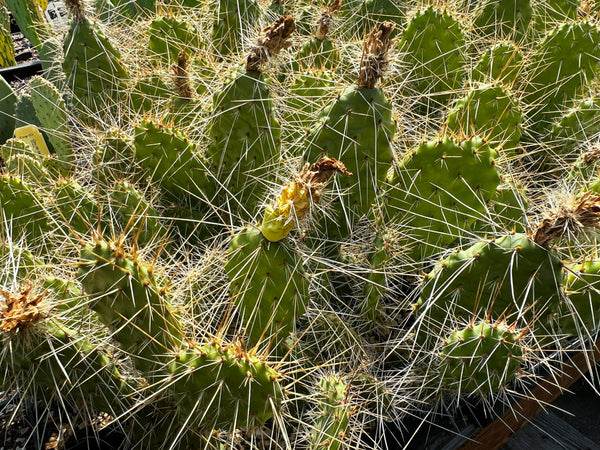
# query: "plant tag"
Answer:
x=32 y=137
x=57 y=15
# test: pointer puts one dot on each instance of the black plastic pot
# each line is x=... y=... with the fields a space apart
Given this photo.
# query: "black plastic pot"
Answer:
x=21 y=71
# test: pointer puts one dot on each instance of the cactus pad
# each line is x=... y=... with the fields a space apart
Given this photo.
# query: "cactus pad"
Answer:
x=480 y=359
x=438 y=191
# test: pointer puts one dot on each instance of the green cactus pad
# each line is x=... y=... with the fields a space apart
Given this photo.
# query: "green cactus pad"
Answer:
x=135 y=214
x=316 y=53
x=67 y=363
x=586 y=170
x=511 y=276
x=19 y=264
x=127 y=298
x=433 y=58
x=168 y=36
x=502 y=19
x=277 y=7
x=346 y=19
x=549 y=13
x=334 y=409
x=29 y=17
x=113 y=157
x=245 y=140
x=563 y=65
x=502 y=63
x=234 y=21
x=7 y=49
x=373 y=12
x=309 y=93
x=174 y=162
x=92 y=68
x=8 y=101
x=357 y=129
x=491 y=113
x=25 y=115
x=22 y=209
x=150 y=95
x=268 y=285
x=21 y=160
x=438 y=191
x=371 y=310
x=219 y=387
x=137 y=9
x=576 y=127
x=505 y=211
x=51 y=112
x=74 y=208
x=66 y=295
x=582 y=315
x=480 y=359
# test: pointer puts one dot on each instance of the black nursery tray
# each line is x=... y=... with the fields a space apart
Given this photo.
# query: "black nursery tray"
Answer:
x=21 y=71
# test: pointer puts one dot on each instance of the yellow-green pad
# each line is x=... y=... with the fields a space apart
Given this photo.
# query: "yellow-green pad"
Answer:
x=221 y=387
x=490 y=112
x=480 y=359
x=433 y=58
x=268 y=285
x=510 y=277
x=438 y=191
x=245 y=141
x=357 y=129
x=582 y=286
x=127 y=298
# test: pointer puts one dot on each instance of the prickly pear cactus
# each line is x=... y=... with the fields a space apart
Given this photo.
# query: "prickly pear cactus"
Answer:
x=28 y=15
x=502 y=62
x=92 y=64
x=438 y=190
x=569 y=53
x=248 y=389
x=357 y=129
x=127 y=298
x=433 y=58
x=511 y=276
x=490 y=112
x=268 y=284
x=504 y=19
x=77 y=366
x=581 y=288
x=333 y=413
x=233 y=22
x=168 y=36
x=7 y=48
x=51 y=111
x=220 y=235
x=8 y=100
x=480 y=358
x=22 y=209
x=576 y=127
x=169 y=158
x=244 y=131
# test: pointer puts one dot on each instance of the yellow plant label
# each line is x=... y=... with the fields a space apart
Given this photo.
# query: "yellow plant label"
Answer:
x=32 y=137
